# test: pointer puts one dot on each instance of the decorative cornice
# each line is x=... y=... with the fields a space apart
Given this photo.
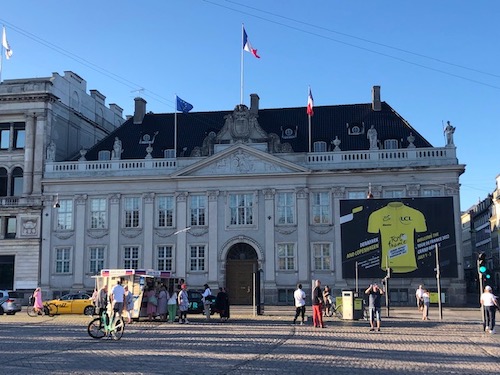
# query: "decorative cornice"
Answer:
x=97 y=233
x=131 y=233
x=64 y=235
x=286 y=230
x=321 y=230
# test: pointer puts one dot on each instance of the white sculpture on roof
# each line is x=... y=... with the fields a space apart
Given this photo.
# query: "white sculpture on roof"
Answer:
x=371 y=134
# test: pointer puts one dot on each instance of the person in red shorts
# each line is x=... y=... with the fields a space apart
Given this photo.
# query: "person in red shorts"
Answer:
x=317 y=305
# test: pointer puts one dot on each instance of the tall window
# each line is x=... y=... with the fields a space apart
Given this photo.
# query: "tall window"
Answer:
x=165 y=211
x=96 y=259
x=65 y=214
x=241 y=209
x=431 y=192
x=320 y=207
x=132 y=212
x=4 y=178
x=63 y=260
x=322 y=256
x=131 y=257
x=19 y=138
x=98 y=213
x=10 y=227
x=197 y=258
x=165 y=258
x=286 y=208
x=286 y=256
x=17 y=182
x=198 y=209
x=4 y=138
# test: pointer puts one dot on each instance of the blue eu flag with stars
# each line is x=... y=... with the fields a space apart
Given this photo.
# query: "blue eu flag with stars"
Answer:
x=183 y=106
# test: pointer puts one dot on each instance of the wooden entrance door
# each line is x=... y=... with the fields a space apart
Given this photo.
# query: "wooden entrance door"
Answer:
x=239 y=281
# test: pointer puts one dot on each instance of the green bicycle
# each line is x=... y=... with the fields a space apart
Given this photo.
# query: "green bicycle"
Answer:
x=104 y=327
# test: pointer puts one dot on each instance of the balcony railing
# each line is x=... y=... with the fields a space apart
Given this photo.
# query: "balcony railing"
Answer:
x=20 y=202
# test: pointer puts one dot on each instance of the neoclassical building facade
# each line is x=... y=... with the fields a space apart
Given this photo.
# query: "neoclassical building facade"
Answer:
x=237 y=200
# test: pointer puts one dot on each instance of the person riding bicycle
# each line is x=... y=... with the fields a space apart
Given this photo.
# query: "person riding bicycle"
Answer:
x=38 y=303
x=117 y=297
x=101 y=301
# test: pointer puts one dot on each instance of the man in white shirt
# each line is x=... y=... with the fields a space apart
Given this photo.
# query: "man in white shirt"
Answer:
x=117 y=297
x=207 y=301
x=300 y=303
x=419 y=295
x=490 y=304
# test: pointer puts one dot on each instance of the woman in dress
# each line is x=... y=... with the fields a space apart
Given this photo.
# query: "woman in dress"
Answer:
x=162 y=302
x=152 y=302
x=38 y=303
x=183 y=301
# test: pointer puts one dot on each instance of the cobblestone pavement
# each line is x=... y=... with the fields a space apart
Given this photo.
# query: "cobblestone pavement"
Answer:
x=267 y=344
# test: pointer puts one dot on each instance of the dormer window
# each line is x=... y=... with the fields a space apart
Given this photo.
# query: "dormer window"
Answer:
x=169 y=154
x=319 y=146
x=391 y=144
x=104 y=155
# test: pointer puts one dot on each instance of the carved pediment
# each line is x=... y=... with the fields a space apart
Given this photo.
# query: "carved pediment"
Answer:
x=241 y=125
x=241 y=159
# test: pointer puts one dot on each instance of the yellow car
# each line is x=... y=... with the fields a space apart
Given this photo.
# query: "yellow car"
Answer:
x=72 y=303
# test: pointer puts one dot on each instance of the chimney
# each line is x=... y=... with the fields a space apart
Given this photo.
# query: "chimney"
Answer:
x=376 y=104
x=254 y=103
x=140 y=110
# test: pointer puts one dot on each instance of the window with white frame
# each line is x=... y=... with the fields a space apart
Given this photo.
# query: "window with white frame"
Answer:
x=356 y=195
x=320 y=207
x=197 y=258
x=285 y=203
x=322 y=256
x=286 y=256
x=394 y=193
x=198 y=210
x=319 y=146
x=391 y=144
x=132 y=211
x=65 y=214
x=63 y=260
x=131 y=257
x=241 y=209
x=98 y=213
x=96 y=259
x=431 y=192
x=165 y=211
x=164 y=258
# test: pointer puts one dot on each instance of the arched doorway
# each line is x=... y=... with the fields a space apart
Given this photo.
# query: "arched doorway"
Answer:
x=241 y=263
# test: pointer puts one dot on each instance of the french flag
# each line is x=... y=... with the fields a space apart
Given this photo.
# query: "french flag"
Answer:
x=310 y=103
x=247 y=46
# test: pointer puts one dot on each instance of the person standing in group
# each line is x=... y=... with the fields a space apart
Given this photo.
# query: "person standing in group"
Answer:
x=222 y=304
x=490 y=304
x=101 y=302
x=300 y=304
x=426 y=302
x=162 y=302
x=207 y=301
x=418 y=296
x=37 y=300
x=317 y=305
x=374 y=297
x=129 y=303
x=183 y=301
x=117 y=297
x=172 y=304
x=152 y=302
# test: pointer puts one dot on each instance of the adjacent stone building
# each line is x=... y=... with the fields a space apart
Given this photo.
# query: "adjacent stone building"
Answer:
x=41 y=119
x=237 y=200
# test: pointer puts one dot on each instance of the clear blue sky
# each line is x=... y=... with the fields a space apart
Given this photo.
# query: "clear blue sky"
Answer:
x=434 y=60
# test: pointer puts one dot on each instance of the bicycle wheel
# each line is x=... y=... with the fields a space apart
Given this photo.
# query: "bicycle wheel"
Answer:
x=95 y=329
x=51 y=309
x=117 y=332
x=338 y=312
x=31 y=311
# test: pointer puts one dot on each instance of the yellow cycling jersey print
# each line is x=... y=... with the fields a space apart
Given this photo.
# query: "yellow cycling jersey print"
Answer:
x=397 y=225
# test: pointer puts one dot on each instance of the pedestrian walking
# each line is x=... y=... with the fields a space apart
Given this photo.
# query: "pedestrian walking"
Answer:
x=183 y=301
x=427 y=302
x=207 y=301
x=162 y=302
x=418 y=296
x=117 y=297
x=37 y=300
x=101 y=302
x=490 y=303
x=317 y=305
x=152 y=302
x=374 y=297
x=222 y=304
x=300 y=304
x=129 y=303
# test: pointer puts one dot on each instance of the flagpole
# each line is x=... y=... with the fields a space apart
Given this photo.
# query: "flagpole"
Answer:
x=175 y=128
x=309 y=132
x=241 y=67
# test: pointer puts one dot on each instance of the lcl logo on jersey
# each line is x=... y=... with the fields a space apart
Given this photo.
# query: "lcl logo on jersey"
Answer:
x=404 y=219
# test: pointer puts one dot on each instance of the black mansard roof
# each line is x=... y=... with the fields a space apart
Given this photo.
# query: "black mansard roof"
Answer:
x=349 y=123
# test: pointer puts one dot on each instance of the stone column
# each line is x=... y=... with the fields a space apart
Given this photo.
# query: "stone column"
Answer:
x=29 y=149
x=148 y=225
x=79 y=250
x=303 y=245
x=269 y=244
x=181 y=251
x=213 y=251
x=114 y=232
x=39 y=153
x=46 y=226
x=338 y=193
